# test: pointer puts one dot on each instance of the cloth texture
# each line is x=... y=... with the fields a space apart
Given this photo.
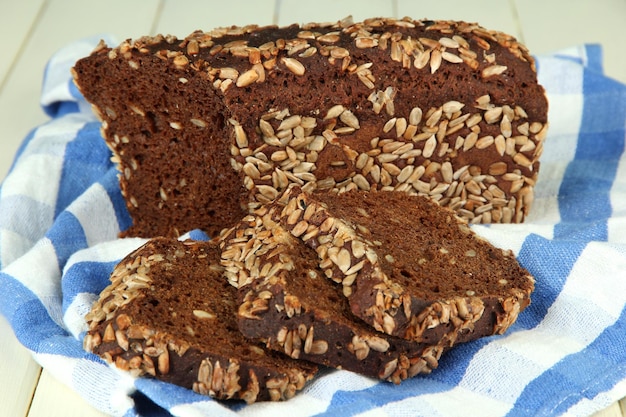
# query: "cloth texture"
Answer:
x=61 y=211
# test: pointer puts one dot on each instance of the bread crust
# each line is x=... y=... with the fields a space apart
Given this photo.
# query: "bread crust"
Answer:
x=207 y=128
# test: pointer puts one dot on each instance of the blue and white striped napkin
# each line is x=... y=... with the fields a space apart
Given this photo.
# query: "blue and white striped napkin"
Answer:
x=61 y=210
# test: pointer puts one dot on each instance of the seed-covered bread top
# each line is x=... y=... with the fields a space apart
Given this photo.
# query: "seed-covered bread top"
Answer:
x=169 y=313
x=287 y=301
x=205 y=129
x=409 y=267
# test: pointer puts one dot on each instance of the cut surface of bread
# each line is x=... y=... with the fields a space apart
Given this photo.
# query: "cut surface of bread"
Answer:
x=171 y=315
x=207 y=128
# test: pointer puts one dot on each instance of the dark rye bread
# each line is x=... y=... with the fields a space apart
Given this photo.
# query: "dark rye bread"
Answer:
x=205 y=129
x=409 y=267
x=169 y=313
x=287 y=302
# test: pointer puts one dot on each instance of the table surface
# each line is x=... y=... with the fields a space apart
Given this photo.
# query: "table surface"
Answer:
x=35 y=29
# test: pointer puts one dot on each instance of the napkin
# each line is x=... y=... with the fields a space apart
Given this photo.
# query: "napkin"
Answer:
x=61 y=211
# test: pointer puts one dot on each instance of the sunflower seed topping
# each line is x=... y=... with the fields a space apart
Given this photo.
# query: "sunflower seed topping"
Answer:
x=294 y=65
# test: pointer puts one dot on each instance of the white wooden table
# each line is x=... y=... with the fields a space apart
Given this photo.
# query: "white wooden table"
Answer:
x=32 y=30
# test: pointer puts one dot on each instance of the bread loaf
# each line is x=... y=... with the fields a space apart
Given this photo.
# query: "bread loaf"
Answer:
x=169 y=314
x=287 y=301
x=207 y=128
x=409 y=267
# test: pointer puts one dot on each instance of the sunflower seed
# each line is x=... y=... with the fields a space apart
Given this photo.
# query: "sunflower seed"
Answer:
x=303 y=34
x=396 y=51
x=365 y=78
x=349 y=119
x=252 y=171
x=421 y=59
x=522 y=160
x=493 y=70
x=228 y=73
x=452 y=107
x=375 y=173
x=483 y=100
x=366 y=42
x=493 y=115
x=541 y=135
x=448 y=42
x=505 y=126
x=400 y=126
x=389 y=125
x=450 y=57
x=308 y=52
x=290 y=123
x=500 y=142
x=470 y=141
x=527 y=145
x=498 y=168
x=460 y=41
x=361 y=181
x=241 y=137
x=294 y=65
x=387 y=157
x=201 y=314
x=180 y=61
x=509 y=148
x=446 y=172
x=484 y=142
x=435 y=60
x=429 y=147
x=339 y=53
x=247 y=78
x=267 y=191
x=391 y=169
x=415 y=117
x=319 y=347
x=344 y=130
x=334 y=112
x=330 y=37
x=473 y=120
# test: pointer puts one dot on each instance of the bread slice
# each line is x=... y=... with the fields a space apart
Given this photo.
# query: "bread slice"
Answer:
x=206 y=128
x=169 y=313
x=286 y=301
x=409 y=267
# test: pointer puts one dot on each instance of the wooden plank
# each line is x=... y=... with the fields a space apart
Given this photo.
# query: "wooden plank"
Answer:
x=16 y=22
x=492 y=14
x=296 y=11
x=182 y=17
x=612 y=411
x=54 y=399
x=550 y=26
x=18 y=374
x=60 y=23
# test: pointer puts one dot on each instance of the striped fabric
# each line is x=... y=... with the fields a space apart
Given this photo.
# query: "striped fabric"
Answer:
x=61 y=210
